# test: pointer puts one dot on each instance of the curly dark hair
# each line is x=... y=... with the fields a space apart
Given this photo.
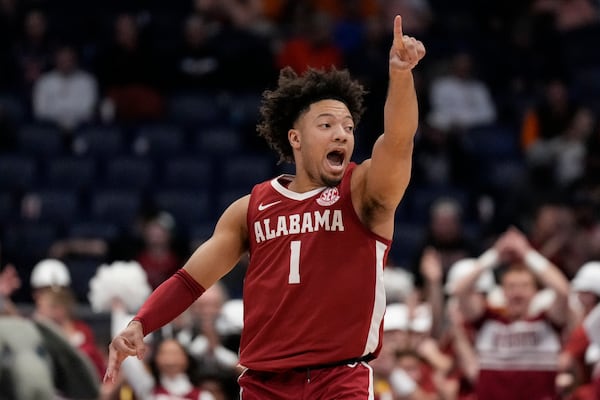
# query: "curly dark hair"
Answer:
x=295 y=93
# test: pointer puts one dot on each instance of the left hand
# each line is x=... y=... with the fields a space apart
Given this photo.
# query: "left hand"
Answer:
x=406 y=51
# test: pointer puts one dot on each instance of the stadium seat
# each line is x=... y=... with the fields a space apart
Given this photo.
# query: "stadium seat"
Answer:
x=244 y=171
x=28 y=242
x=40 y=140
x=99 y=141
x=187 y=173
x=187 y=207
x=17 y=172
x=70 y=173
x=159 y=140
x=198 y=233
x=115 y=206
x=226 y=197
x=13 y=107
x=93 y=230
x=128 y=172
x=58 y=207
x=8 y=209
x=218 y=140
x=194 y=108
x=244 y=108
x=492 y=142
x=406 y=242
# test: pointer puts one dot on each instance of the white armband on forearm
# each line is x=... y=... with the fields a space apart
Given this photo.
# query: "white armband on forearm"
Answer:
x=489 y=259
x=401 y=383
x=536 y=262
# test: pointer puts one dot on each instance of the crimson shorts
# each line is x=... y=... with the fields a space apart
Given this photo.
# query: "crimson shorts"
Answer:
x=343 y=382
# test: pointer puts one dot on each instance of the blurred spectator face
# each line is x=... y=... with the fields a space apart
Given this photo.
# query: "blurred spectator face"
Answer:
x=582 y=125
x=171 y=358
x=588 y=300
x=519 y=287
x=550 y=220
x=556 y=94
x=126 y=32
x=66 y=61
x=398 y=338
x=445 y=222
x=209 y=305
x=462 y=65
x=156 y=235
x=194 y=31
x=35 y=25
x=411 y=364
x=56 y=304
x=385 y=362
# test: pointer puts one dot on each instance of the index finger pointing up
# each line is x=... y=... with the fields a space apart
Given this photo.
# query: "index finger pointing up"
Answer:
x=398 y=35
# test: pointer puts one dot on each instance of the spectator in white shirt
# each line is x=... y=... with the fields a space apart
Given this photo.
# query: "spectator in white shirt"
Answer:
x=65 y=95
x=459 y=100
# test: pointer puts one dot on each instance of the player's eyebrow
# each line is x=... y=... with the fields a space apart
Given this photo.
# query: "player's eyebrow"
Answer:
x=347 y=116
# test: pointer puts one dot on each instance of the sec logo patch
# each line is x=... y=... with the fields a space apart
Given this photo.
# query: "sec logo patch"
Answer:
x=329 y=197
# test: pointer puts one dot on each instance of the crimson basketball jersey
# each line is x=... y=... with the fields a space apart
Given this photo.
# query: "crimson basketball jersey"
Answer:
x=313 y=291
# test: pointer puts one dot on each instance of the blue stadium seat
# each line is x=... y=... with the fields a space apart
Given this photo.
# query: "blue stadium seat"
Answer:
x=28 y=242
x=100 y=141
x=13 y=107
x=93 y=230
x=198 y=233
x=159 y=140
x=406 y=242
x=187 y=207
x=226 y=197
x=40 y=140
x=244 y=171
x=218 y=140
x=71 y=173
x=194 y=108
x=8 y=208
x=17 y=172
x=492 y=142
x=128 y=172
x=120 y=207
x=244 y=108
x=187 y=173
x=58 y=207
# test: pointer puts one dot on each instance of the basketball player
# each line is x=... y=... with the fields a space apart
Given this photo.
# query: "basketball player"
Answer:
x=318 y=241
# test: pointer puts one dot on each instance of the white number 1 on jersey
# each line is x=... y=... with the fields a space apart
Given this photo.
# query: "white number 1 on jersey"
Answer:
x=294 y=277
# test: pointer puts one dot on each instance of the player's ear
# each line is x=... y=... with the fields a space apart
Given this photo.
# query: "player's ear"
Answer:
x=294 y=138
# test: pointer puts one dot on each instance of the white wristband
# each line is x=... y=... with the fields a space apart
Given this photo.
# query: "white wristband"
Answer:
x=489 y=259
x=536 y=262
x=401 y=383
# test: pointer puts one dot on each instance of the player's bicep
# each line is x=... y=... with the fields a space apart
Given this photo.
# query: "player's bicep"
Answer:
x=219 y=254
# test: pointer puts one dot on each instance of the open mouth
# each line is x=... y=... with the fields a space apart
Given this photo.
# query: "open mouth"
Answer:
x=336 y=158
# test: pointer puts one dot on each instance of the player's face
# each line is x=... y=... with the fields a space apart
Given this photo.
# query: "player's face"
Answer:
x=324 y=136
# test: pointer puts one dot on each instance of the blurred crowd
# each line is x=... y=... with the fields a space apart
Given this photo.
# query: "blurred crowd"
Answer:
x=126 y=126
